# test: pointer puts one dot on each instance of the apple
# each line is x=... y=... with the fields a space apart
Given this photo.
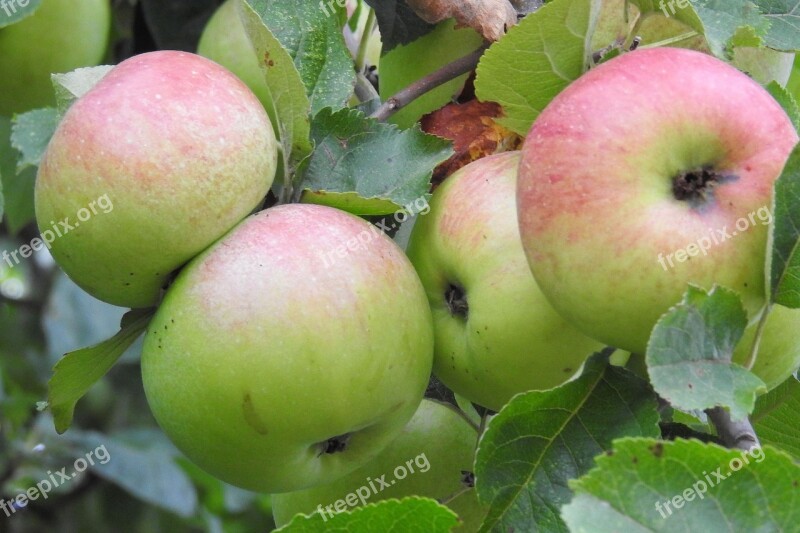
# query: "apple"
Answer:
x=225 y=41
x=779 y=349
x=157 y=161
x=60 y=36
x=495 y=333
x=632 y=183
x=291 y=352
x=427 y=459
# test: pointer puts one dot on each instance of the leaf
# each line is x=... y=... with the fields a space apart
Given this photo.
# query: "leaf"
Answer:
x=389 y=516
x=784 y=30
x=72 y=85
x=722 y=18
x=537 y=59
x=142 y=462
x=378 y=162
x=776 y=418
x=408 y=64
x=12 y=12
x=30 y=134
x=77 y=371
x=17 y=189
x=177 y=24
x=490 y=18
x=784 y=237
x=690 y=350
x=645 y=485
x=787 y=102
x=292 y=106
x=398 y=24
x=313 y=39
x=541 y=439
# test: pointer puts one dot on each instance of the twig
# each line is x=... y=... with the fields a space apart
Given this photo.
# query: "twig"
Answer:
x=739 y=435
x=431 y=81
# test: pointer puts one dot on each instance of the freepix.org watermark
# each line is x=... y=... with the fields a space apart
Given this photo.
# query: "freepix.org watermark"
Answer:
x=374 y=486
x=701 y=486
x=58 y=229
x=55 y=479
x=715 y=237
x=419 y=206
x=10 y=7
x=673 y=4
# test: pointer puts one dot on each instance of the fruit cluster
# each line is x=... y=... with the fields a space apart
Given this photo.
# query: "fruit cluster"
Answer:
x=280 y=371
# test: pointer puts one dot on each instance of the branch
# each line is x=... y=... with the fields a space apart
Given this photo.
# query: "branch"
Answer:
x=740 y=435
x=431 y=81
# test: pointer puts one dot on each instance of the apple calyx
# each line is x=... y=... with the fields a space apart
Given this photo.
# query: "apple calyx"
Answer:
x=456 y=299
x=335 y=444
x=697 y=186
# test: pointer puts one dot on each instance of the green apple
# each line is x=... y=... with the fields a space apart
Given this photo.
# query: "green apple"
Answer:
x=495 y=333
x=60 y=36
x=406 y=64
x=291 y=352
x=779 y=349
x=154 y=163
x=225 y=41
x=622 y=205
x=427 y=459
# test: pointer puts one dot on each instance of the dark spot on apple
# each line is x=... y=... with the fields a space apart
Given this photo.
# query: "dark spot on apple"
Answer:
x=335 y=444
x=657 y=449
x=609 y=452
x=697 y=186
x=635 y=459
x=252 y=418
x=456 y=300
x=794 y=483
x=567 y=370
x=467 y=478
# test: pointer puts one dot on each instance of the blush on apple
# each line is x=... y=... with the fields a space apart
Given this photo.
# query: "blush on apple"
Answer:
x=640 y=158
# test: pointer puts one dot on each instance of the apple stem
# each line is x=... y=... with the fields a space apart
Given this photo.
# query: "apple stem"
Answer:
x=751 y=359
x=431 y=81
x=361 y=56
x=736 y=435
x=671 y=40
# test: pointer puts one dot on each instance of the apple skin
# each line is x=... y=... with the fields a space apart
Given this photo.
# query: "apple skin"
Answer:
x=183 y=151
x=60 y=36
x=595 y=193
x=437 y=436
x=779 y=349
x=224 y=40
x=511 y=340
x=267 y=347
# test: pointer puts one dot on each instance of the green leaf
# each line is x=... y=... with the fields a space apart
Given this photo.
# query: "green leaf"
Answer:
x=72 y=85
x=142 y=462
x=722 y=18
x=645 y=485
x=794 y=80
x=13 y=11
x=787 y=101
x=776 y=418
x=689 y=354
x=541 y=439
x=316 y=45
x=784 y=263
x=292 y=106
x=411 y=62
x=77 y=371
x=537 y=59
x=378 y=162
x=30 y=134
x=784 y=30
x=17 y=189
x=389 y=516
